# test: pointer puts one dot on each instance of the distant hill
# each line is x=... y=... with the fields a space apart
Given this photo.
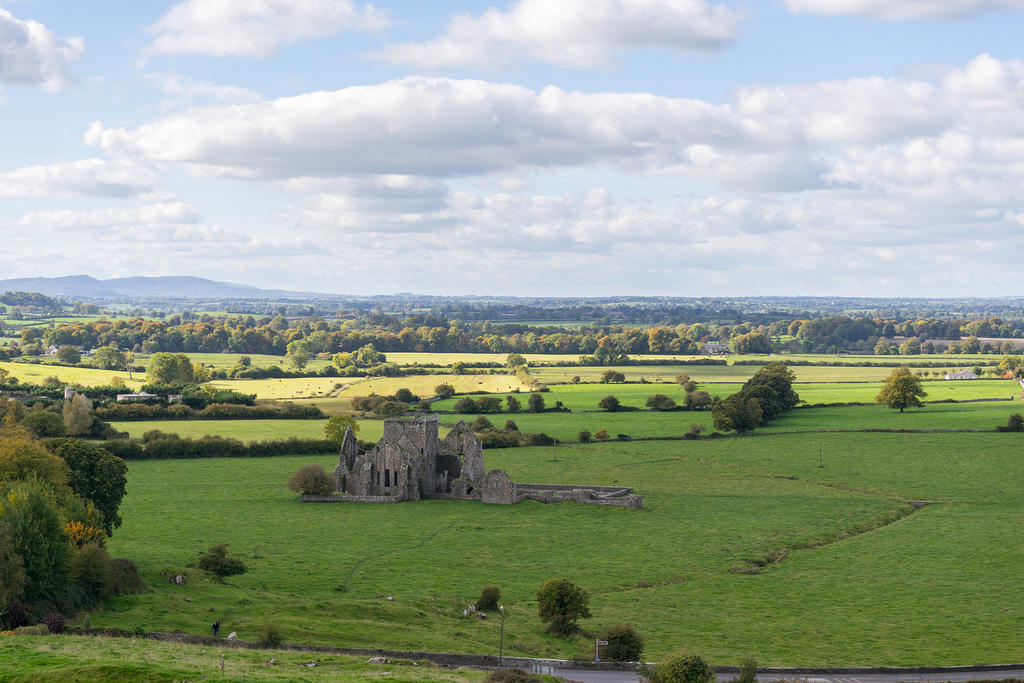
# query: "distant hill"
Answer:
x=171 y=287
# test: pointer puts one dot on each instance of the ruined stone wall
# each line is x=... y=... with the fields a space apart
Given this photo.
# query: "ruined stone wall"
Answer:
x=345 y=498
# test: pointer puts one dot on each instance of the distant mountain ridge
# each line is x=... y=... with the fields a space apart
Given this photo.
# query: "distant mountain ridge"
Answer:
x=173 y=287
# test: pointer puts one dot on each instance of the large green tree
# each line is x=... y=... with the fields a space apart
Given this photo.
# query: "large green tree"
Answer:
x=560 y=603
x=28 y=510
x=738 y=412
x=902 y=389
x=336 y=426
x=169 y=368
x=107 y=358
x=97 y=475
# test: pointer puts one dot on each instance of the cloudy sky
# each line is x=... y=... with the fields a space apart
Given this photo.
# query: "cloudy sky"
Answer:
x=524 y=147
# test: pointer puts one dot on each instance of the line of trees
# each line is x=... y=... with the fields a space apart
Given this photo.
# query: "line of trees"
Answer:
x=598 y=344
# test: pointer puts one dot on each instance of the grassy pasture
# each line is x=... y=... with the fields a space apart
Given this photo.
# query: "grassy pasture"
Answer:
x=243 y=430
x=708 y=373
x=284 y=388
x=587 y=396
x=938 y=586
x=35 y=374
x=83 y=658
x=985 y=415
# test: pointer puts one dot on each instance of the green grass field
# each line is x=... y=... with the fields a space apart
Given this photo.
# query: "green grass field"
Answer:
x=712 y=373
x=82 y=658
x=938 y=586
x=243 y=430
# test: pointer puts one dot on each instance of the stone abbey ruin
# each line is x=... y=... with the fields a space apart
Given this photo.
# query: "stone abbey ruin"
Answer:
x=411 y=462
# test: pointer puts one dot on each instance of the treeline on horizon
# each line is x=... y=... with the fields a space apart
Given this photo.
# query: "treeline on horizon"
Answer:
x=247 y=334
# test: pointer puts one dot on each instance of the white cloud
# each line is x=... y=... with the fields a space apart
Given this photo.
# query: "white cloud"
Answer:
x=905 y=9
x=576 y=33
x=184 y=90
x=30 y=54
x=165 y=214
x=87 y=177
x=254 y=28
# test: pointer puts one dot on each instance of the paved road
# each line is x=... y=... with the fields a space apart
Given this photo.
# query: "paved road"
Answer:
x=588 y=676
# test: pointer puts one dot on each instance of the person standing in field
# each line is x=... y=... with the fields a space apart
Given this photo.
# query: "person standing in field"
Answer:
x=216 y=628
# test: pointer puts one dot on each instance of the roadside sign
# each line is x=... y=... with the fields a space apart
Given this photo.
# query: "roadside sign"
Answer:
x=602 y=642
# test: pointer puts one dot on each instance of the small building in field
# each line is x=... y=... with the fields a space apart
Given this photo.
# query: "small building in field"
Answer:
x=962 y=374
x=712 y=348
x=138 y=396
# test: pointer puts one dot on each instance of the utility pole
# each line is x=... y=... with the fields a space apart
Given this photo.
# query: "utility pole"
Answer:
x=820 y=463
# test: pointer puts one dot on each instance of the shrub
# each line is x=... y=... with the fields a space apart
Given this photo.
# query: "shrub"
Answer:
x=217 y=562
x=682 y=378
x=694 y=432
x=465 y=405
x=584 y=436
x=511 y=426
x=54 y=622
x=748 y=671
x=536 y=403
x=406 y=396
x=312 y=480
x=609 y=403
x=514 y=406
x=624 y=643
x=682 y=669
x=17 y=614
x=270 y=635
x=44 y=424
x=481 y=424
x=444 y=390
x=560 y=602
x=124 y=578
x=488 y=404
x=538 y=439
x=660 y=402
x=1015 y=423
x=601 y=434
x=37 y=630
x=90 y=566
x=612 y=377
x=488 y=600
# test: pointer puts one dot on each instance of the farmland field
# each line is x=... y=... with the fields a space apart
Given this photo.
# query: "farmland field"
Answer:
x=243 y=430
x=84 y=658
x=587 y=396
x=34 y=374
x=316 y=387
x=937 y=586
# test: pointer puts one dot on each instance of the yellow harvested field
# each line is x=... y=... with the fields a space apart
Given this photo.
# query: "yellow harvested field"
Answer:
x=286 y=388
x=423 y=385
x=35 y=374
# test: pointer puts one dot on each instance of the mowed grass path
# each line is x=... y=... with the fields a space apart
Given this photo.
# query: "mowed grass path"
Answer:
x=937 y=587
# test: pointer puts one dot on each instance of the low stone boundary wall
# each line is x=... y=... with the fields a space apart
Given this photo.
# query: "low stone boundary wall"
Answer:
x=347 y=499
x=608 y=490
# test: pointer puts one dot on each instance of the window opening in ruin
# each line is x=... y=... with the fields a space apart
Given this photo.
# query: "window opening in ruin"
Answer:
x=387 y=478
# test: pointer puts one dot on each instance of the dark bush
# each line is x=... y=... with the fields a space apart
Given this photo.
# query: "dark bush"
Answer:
x=509 y=439
x=270 y=635
x=124 y=578
x=660 y=402
x=43 y=423
x=54 y=622
x=312 y=480
x=624 y=643
x=465 y=405
x=217 y=562
x=481 y=424
x=488 y=404
x=1015 y=423
x=90 y=567
x=511 y=426
x=609 y=403
x=584 y=436
x=538 y=439
x=17 y=614
x=406 y=396
x=488 y=600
